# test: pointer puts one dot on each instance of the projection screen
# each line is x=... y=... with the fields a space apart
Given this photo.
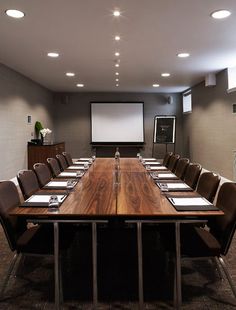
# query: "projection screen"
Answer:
x=117 y=123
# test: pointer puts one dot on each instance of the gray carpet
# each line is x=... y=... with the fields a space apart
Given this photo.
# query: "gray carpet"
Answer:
x=33 y=287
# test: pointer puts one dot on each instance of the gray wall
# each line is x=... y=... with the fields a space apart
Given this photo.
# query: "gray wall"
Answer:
x=19 y=97
x=209 y=131
x=72 y=118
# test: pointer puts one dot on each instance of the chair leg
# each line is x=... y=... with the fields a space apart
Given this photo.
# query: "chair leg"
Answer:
x=222 y=263
x=216 y=263
x=9 y=272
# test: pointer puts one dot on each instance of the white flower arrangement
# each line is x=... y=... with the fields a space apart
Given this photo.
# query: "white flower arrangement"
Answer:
x=45 y=131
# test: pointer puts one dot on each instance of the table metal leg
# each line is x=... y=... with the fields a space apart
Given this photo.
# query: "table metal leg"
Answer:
x=56 y=265
x=178 y=294
x=140 y=264
x=94 y=254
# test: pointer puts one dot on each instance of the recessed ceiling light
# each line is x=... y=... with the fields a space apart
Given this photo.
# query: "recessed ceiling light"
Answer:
x=117 y=54
x=183 y=55
x=117 y=38
x=117 y=73
x=80 y=85
x=70 y=74
x=165 y=74
x=155 y=85
x=15 y=13
x=116 y=13
x=220 y=14
x=53 y=54
x=117 y=80
x=117 y=85
x=117 y=65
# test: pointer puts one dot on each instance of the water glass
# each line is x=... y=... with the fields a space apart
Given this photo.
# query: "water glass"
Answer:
x=148 y=167
x=164 y=187
x=70 y=184
x=53 y=204
x=90 y=161
x=93 y=157
x=79 y=174
x=86 y=166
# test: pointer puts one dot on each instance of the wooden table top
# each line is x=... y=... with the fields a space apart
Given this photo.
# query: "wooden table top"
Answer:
x=97 y=195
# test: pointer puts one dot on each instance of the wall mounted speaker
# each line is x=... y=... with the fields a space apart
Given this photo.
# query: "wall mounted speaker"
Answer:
x=170 y=99
x=210 y=80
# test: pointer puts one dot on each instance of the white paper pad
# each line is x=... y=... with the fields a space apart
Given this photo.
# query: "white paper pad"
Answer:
x=76 y=167
x=152 y=162
x=158 y=168
x=81 y=162
x=84 y=159
x=177 y=185
x=193 y=201
x=166 y=175
x=57 y=184
x=149 y=159
x=44 y=198
x=67 y=174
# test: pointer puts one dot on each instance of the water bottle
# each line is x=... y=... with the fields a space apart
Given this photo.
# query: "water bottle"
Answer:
x=117 y=158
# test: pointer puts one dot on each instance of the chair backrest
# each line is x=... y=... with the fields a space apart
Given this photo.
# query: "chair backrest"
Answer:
x=28 y=182
x=43 y=173
x=207 y=185
x=173 y=162
x=62 y=161
x=68 y=158
x=167 y=158
x=223 y=227
x=192 y=174
x=181 y=167
x=13 y=226
x=54 y=166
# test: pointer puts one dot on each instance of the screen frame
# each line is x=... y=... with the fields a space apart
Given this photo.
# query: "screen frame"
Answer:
x=118 y=142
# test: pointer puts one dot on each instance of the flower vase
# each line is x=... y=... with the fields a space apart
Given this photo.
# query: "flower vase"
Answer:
x=42 y=139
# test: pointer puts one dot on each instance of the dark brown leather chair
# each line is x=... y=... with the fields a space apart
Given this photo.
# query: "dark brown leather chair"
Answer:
x=173 y=162
x=62 y=161
x=54 y=166
x=43 y=173
x=181 y=167
x=192 y=174
x=23 y=240
x=28 y=182
x=68 y=158
x=214 y=242
x=207 y=185
x=167 y=158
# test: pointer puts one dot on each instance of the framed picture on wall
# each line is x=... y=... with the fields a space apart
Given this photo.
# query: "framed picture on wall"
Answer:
x=164 y=129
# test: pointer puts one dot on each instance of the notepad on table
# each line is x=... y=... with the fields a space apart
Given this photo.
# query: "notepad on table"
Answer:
x=165 y=176
x=78 y=167
x=192 y=204
x=58 y=184
x=81 y=162
x=158 y=168
x=39 y=201
x=152 y=163
x=68 y=174
x=149 y=159
x=178 y=186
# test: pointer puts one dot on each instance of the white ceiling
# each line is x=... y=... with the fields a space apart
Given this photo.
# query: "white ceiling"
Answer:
x=152 y=33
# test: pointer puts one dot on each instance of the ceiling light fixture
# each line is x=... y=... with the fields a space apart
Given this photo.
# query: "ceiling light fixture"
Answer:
x=117 y=54
x=53 y=54
x=219 y=14
x=155 y=85
x=117 y=73
x=80 y=85
x=117 y=65
x=15 y=13
x=183 y=55
x=117 y=38
x=165 y=74
x=70 y=74
x=117 y=80
x=117 y=85
x=116 y=13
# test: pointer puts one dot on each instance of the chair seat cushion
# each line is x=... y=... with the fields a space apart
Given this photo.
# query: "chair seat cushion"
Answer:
x=198 y=242
x=39 y=239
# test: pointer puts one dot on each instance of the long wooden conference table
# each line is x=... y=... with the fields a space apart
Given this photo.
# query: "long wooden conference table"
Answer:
x=105 y=193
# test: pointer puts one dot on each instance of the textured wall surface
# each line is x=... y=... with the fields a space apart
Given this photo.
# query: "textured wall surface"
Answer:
x=72 y=118
x=210 y=130
x=20 y=97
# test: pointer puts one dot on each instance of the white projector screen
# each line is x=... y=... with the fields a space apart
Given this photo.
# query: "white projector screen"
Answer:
x=117 y=122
